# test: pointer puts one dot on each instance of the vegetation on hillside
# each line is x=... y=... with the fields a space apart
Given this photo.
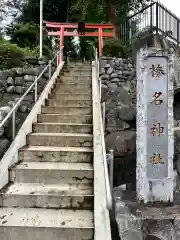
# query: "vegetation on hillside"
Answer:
x=11 y=55
x=23 y=32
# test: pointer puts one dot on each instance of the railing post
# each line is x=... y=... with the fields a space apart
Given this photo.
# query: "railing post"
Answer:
x=111 y=168
x=130 y=31
x=151 y=18
x=157 y=18
x=96 y=55
x=97 y=69
x=57 y=60
x=35 y=91
x=50 y=70
x=103 y=114
x=178 y=25
x=14 y=124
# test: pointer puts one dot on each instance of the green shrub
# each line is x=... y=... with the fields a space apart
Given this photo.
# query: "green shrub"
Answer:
x=27 y=35
x=11 y=55
x=114 y=48
x=86 y=49
x=24 y=35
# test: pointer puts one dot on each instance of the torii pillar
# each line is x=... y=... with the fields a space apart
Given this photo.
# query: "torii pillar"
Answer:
x=100 y=42
x=61 y=44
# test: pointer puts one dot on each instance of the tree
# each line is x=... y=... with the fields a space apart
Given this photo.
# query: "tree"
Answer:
x=53 y=10
x=10 y=8
x=24 y=35
x=94 y=11
x=89 y=11
x=113 y=11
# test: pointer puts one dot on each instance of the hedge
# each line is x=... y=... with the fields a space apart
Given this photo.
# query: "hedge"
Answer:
x=11 y=55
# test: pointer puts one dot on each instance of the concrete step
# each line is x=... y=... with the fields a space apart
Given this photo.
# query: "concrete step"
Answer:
x=65 y=118
x=75 y=77
x=77 y=90
x=60 y=139
x=52 y=173
x=77 y=70
x=36 y=195
x=74 y=86
x=56 y=154
x=77 y=73
x=62 y=127
x=67 y=110
x=72 y=103
x=66 y=96
x=80 y=66
x=79 y=63
x=38 y=224
x=73 y=83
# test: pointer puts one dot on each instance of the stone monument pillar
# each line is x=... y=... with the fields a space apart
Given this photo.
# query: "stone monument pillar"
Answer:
x=155 y=141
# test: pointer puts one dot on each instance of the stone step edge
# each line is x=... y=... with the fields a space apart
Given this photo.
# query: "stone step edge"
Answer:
x=51 y=105
x=61 y=134
x=65 y=124
x=57 y=149
x=60 y=166
x=69 y=115
x=25 y=217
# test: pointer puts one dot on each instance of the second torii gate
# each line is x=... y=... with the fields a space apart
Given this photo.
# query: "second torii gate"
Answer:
x=62 y=30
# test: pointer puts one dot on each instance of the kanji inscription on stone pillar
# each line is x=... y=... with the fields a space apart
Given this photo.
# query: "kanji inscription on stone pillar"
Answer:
x=155 y=142
x=157 y=117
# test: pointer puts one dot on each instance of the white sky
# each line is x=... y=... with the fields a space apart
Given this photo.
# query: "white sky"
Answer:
x=172 y=5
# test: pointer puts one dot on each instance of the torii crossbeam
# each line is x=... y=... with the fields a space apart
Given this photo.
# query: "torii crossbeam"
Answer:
x=65 y=29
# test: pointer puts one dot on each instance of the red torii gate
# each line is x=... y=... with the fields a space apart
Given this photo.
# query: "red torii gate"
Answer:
x=61 y=30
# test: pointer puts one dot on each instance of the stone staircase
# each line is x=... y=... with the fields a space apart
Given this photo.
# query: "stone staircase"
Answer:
x=50 y=194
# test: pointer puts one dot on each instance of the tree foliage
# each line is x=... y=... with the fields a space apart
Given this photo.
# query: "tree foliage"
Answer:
x=53 y=10
x=27 y=35
x=89 y=11
x=24 y=34
x=107 y=10
x=10 y=8
x=12 y=55
x=25 y=30
x=114 y=48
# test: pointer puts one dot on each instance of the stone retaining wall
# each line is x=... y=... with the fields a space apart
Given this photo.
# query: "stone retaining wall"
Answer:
x=118 y=77
x=13 y=84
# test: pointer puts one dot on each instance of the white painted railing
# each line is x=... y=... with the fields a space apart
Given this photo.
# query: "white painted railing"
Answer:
x=11 y=155
x=102 y=192
x=110 y=155
x=34 y=86
x=102 y=126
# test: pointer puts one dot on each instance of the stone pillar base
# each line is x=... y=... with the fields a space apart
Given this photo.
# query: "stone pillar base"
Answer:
x=150 y=222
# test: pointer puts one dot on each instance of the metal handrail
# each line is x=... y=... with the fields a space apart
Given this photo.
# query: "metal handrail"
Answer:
x=107 y=182
x=34 y=84
x=156 y=18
